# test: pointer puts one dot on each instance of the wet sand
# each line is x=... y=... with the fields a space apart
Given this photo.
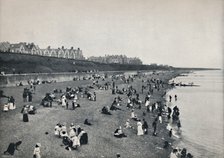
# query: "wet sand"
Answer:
x=102 y=143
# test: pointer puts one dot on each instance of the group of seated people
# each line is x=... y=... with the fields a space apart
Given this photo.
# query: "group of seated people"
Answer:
x=114 y=106
x=91 y=96
x=9 y=105
x=47 y=100
x=180 y=153
x=73 y=137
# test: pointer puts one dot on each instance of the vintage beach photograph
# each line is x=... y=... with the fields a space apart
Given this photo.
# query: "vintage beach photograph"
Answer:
x=111 y=79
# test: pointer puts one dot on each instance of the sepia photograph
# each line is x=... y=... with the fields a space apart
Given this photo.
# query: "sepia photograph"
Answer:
x=111 y=79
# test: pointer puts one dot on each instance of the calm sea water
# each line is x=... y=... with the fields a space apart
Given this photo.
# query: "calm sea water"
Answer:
x=201 y=113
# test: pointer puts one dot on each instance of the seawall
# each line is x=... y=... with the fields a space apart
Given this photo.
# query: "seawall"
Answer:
x=10 y=80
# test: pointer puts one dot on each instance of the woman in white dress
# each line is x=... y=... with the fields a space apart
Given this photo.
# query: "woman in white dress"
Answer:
x=72 y=133
x=57 y=130
x=147 y=103
x=63 y=101
x=6 y=107
x=156 y=105
x=139 y=129
x=36 y=152
x=132 y=114
x=75 y=142
x=127 y=124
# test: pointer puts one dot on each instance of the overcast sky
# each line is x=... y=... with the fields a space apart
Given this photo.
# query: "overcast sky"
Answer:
x=186 y=33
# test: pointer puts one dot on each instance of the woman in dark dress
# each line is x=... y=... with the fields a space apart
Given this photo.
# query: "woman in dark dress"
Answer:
x=25 y=113
x=83 y=136
x=12 y=147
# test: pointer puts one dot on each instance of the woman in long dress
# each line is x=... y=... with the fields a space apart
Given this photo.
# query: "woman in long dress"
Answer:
x=72 y=132
x=63 y=101
x=11 y=103
x=6 y=107
x=83 y=137
x=139 y=128
x=132 y=114
x=25 y=113
x=36 y=152
x=75 y=142
x=57 y=130
x=147 y=103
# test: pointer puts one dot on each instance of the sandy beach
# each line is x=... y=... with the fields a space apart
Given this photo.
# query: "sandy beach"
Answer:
x=102 y=142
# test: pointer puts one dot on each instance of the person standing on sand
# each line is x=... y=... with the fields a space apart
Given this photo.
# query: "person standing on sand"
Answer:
x=139 y=128
x=24 y=96
x=147 y=102
x=63 y=101
x=30 y=96
x=175 y=97
x=170 y=98
x=160 y=118
x=154 y=125
x=145 y=127
x=94 y=96
x=36 y=152
x=169 y=112
x=25 y=113
x=171 y=132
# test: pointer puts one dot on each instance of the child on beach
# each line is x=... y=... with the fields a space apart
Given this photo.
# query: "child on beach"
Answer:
x=139 y=128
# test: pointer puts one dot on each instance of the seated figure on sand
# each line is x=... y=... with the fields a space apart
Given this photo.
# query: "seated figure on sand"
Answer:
x=134 y=116
x=6 y=107
x=86 y=122
x=127 y=124
x=83 y=137
x=32 y=110
x=75 y=142
x=105 y=110
x=114 y=107
x=47 y=100
x=12 y=147
x=119 y=133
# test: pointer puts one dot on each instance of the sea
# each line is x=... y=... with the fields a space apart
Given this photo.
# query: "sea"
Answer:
x=201 y=113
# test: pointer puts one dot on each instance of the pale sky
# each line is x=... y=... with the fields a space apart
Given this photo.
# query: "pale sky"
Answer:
x=184 y=33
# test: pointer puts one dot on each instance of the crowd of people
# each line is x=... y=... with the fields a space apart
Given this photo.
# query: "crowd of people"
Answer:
x=75 y=136
x=72 y=137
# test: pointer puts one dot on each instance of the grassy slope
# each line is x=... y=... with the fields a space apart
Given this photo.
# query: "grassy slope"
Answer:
x=101 y=139
x=23 y=63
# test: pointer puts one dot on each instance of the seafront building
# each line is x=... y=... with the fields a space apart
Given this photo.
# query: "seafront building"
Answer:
x=67 y=53
x=32 y=49
x=118 y=59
